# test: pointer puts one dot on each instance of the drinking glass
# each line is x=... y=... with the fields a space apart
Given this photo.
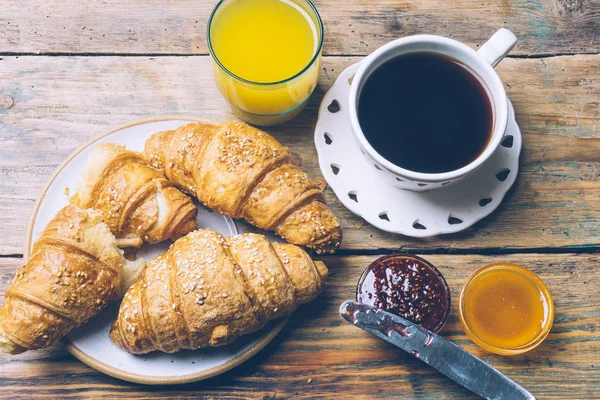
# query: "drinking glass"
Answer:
x=269 y=103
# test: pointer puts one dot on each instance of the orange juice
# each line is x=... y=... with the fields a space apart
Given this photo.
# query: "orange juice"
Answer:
x=266 y=56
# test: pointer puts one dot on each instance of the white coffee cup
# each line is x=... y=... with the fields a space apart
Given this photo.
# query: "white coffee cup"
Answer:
x=481 y=62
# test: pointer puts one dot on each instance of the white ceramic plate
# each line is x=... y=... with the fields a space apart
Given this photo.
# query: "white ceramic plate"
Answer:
x=90 y=343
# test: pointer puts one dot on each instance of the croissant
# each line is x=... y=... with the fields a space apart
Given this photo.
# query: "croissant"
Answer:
x=243 y=172
x=74 y=271
x=208 y=290
x=136 y=200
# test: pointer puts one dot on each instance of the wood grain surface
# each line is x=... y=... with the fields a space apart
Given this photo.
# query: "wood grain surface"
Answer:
x=345 y=362
x=352 y=27
x=70 y=70
x=61 y=102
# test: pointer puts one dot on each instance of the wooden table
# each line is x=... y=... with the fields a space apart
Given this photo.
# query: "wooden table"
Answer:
x=70 y=70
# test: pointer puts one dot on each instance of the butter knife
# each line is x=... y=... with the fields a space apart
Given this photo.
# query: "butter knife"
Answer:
x=443 y=355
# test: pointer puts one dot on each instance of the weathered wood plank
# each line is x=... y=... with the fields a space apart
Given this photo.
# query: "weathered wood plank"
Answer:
x=61 y=102
x=345 y=362
x=355 y=27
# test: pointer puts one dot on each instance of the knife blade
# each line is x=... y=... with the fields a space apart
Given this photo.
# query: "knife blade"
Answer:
x=441 y=354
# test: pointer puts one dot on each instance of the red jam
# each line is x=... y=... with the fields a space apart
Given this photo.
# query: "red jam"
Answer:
x=407 y=286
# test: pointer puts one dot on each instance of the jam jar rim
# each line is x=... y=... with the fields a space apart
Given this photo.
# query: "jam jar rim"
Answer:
x=437 y=273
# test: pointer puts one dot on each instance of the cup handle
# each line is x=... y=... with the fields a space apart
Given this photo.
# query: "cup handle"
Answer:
x=498 y=46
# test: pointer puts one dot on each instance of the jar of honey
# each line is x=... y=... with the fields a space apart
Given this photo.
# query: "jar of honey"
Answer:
x=506 y=309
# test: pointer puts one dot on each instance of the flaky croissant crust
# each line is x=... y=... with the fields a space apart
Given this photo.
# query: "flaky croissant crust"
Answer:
x=136 y=200
x=73 y=272
x=243 y=172
x=208 y=290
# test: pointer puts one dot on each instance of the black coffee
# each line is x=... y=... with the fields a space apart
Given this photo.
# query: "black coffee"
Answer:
x=426 y=113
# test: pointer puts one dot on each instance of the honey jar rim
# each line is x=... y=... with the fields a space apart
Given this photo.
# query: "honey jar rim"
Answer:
x=539 y=284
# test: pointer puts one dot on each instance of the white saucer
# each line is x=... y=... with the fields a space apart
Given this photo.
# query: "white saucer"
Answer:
x=90 y=343
x=418 y=214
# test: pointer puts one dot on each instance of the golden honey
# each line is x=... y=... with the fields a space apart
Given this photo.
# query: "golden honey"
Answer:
x=506 y=309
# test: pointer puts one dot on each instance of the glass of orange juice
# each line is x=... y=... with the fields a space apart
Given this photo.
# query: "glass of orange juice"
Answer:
x=266 y=56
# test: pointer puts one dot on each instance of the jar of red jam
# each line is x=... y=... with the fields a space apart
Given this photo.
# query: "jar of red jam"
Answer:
x=407 y=286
